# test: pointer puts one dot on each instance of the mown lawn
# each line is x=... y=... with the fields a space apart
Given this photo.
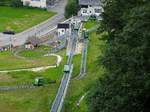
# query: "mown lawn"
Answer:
x=28 y=59
x=29 y=100
x=20 y=19
x=36 y=100
x=80 y=87
x=89 y=24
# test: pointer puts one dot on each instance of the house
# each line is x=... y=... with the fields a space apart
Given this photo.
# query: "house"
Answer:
x=39 y=3
x=29 y=45
x=35 y=3
x=75 y=20
x=90 y=8
x=63 y=28
x=32 y=42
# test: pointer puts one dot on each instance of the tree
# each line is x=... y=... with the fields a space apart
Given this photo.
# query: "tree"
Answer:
x=71 y=8
x=126 y=85
x=16 y=3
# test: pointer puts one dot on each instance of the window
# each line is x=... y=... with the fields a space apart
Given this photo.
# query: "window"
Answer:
x=84 y=11
x=97 y=10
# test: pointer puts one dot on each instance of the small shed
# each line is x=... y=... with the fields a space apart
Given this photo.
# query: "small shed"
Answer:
x=63 y=28
x=32 y=42
x=29 y=45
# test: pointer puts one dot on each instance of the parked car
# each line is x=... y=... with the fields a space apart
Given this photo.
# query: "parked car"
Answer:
x=10 y=32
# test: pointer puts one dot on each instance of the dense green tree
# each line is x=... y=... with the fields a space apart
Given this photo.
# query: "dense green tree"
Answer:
x=126 y=85
x=71 y=8
x=16 y=3
x=13 y=3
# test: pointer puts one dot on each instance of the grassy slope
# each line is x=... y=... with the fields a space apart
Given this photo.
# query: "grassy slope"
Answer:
x=20 y=19
x=37 y=100
x=90 y=24
x=80 y=87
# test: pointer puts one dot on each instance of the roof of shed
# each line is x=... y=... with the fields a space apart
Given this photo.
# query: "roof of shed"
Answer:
x=63 y=25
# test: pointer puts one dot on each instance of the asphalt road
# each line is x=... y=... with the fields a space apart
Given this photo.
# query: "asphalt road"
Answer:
x=40 y=29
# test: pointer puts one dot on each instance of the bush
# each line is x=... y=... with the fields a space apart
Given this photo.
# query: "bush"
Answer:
x=13 y=3
x=16 y=3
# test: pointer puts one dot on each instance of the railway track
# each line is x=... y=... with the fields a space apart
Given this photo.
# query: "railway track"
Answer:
x=59 y=100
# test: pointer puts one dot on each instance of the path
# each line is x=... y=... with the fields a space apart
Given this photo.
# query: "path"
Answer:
x=81 y=99
x=59 y=58
x=37 y=69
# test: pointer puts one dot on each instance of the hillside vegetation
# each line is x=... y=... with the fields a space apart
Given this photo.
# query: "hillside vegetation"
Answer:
x=125 y=86
x=71 y=8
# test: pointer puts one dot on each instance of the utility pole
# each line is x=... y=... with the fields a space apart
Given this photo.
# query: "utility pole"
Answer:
x=10 y=43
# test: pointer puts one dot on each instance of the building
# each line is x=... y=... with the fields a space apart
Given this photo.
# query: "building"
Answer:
x=35 y=3
x=90 y=8
x=63 y=28
x=29 y=45
x=32 y=42
x=39 y=3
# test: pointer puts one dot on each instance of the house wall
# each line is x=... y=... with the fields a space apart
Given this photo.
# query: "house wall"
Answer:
x=35 y=3
x=91 y=10
x=63 y=31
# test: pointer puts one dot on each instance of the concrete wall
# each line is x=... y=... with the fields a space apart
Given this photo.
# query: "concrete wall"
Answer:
x=62 y=31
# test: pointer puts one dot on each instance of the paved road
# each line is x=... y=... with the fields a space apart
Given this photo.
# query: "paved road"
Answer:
x=59 y=100
x=48 y=25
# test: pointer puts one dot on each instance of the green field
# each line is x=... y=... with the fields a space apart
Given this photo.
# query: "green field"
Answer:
x=30 y=100
x=20 y=19
x=26 y=59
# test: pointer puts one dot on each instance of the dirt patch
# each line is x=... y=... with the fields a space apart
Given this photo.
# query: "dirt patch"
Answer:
x=5 y=78
x=79 y=48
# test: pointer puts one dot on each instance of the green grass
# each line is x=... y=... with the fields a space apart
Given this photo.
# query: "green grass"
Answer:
x=80 y=87
x=20 y=19
x=36 y=100
x=30 y=54
x=31 y=58
x=77 y=63
x=90 y=24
